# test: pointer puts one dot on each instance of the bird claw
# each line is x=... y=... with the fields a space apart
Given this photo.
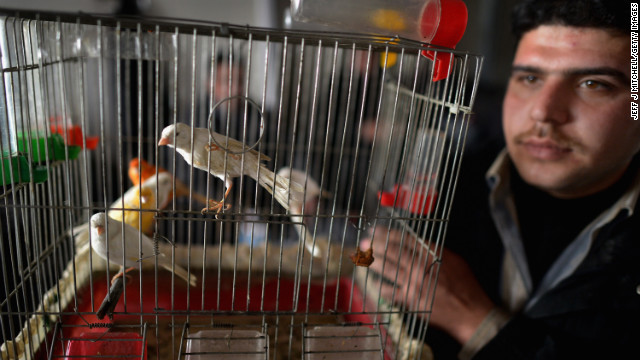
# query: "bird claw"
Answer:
x=113 y=279
x=121 y=274
x=216 y=206
x=212 y=147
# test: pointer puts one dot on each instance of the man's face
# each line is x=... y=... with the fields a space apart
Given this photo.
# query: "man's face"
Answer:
x=566 y=113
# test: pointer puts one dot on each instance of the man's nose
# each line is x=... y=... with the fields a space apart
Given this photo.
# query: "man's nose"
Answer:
x=552 y=103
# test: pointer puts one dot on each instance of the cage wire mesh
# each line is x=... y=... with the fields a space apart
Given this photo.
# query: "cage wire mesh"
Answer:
x=357 y=123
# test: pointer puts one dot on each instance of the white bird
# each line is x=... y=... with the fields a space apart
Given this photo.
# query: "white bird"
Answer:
x=179 y=137
x=136 y=197
x=107 y=233
x=307 y=205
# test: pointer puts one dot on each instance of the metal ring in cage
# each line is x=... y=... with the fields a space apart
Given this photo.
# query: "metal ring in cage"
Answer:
x=261 y=124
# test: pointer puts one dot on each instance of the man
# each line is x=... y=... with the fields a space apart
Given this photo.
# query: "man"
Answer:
x=543 y=258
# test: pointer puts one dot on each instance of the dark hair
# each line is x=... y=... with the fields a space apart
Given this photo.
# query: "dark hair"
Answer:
x=605 y=14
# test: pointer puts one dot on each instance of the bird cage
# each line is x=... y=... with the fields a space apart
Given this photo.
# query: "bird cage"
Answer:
x=355 y=133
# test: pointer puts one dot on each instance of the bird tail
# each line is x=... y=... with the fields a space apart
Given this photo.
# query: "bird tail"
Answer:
x=80 y=235
x=305 y=235
x=286 y=191
x=181 y=273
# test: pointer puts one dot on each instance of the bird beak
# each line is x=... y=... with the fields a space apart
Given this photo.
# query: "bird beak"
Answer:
x=100 y=230
x=164 y=141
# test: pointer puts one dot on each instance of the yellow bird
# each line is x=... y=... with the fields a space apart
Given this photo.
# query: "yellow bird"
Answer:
x=153 y=194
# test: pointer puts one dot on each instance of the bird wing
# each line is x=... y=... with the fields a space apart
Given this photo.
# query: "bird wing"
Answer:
x=238 y=147
x=163 y=192
x=147 y=253
x=139 y=198
x=134 y=252
x=130 y=193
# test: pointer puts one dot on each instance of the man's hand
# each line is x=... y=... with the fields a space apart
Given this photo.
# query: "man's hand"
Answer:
x=409 y=270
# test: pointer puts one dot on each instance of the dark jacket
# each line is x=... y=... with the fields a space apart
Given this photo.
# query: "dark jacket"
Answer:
x=592 y=314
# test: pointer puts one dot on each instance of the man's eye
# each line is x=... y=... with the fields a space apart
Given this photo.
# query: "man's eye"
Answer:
x=528 y=79
x=594 y=85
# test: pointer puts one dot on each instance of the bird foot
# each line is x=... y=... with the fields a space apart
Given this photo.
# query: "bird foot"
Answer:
x=216 y=206
x=121 y=274
x=212 y=147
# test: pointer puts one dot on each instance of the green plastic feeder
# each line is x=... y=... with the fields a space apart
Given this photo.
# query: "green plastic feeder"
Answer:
x=15 y=169
x=56 y=147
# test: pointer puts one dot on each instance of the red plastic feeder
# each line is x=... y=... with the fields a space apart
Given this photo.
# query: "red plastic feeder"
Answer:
x=419 y=201
x=451 y=23
x=106 y=346
x=74 y=136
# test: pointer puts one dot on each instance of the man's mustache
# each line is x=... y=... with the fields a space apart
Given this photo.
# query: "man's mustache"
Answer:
x=551 y=133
